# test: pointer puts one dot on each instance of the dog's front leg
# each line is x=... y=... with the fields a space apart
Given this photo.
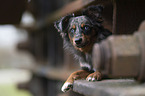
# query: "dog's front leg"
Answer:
x=81 y=74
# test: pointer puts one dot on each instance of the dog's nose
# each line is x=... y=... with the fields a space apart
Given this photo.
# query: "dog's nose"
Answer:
x=78 y=40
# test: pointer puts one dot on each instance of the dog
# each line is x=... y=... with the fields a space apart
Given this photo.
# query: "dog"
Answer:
x=79 y=34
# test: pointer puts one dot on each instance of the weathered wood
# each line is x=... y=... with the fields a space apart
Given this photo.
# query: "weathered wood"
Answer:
x=120 y=87
x=69 y=8
x=52 y=73
x=73 y=7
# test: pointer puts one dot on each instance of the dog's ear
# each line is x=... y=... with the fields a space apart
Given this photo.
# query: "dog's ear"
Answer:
x=58 y=26
x=94 y=13
x=62 y=24
x=104 y=33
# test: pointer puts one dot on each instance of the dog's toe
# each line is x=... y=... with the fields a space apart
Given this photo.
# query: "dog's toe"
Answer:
x=96 y=76
x=93 y=79
x=66 y=87
x=89 y=78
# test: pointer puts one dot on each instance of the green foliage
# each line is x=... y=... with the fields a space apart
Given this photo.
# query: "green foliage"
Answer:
x=11 y=90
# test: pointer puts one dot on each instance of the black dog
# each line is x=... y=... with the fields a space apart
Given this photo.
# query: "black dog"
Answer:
x=79 y=34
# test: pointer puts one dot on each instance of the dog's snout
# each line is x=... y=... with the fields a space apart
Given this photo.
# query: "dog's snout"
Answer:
x=78 y=40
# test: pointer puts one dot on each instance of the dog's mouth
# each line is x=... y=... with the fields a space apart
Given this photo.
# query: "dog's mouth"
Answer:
x=82 y=45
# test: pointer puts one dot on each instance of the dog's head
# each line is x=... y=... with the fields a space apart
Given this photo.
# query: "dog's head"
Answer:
x=82 y=31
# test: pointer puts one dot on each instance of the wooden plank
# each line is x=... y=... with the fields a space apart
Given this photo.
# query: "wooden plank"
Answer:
x=69 y=8
x=72 y=7
x=113 y=87
x=52 y=73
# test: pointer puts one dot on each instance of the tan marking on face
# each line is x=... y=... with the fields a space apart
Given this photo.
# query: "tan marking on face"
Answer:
x=71 y=39
x=91 y=39
x=74 y=26
x=82 y=25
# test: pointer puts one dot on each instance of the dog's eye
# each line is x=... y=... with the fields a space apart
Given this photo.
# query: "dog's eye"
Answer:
x=72 y=30
x=86 y=28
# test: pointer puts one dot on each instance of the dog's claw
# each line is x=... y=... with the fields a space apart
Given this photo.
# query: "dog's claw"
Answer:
x=96 y=76
x=89 y=79
x=93 y=79
x=66 y=87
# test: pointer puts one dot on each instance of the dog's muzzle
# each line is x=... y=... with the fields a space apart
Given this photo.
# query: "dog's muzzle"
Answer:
x=79 y=42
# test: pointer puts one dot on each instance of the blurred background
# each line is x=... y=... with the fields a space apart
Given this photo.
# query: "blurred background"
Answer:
x=32 y=59
x=31 y=50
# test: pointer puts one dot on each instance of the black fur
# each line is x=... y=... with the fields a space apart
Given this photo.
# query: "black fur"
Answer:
x=93 y=13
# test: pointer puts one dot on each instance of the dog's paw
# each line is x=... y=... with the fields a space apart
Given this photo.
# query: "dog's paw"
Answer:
x=66 y=87
x=81 y=74
x=96 y=76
